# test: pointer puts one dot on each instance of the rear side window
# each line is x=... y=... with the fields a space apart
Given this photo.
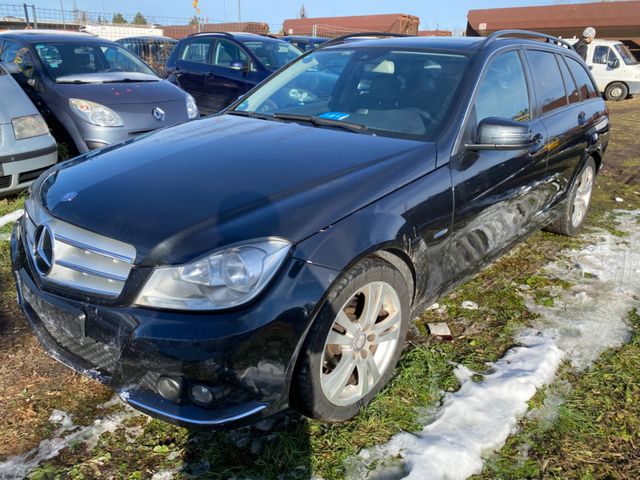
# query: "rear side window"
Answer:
x=569 y=83
x=583 y=79
x=547 y=80
x=196 y=50
x=503 y=91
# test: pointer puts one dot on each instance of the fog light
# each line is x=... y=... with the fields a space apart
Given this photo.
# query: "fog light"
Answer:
x=169 y=388
x=201 y=395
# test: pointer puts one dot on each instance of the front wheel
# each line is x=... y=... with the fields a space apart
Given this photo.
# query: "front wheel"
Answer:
x=574 y=211
x=355 y=342
x=616 y=91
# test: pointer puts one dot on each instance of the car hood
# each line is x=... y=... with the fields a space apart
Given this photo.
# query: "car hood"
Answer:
x=179 y=193
x=121 y=93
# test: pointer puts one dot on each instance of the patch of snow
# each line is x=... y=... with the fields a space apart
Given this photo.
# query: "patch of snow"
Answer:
x=619 y=200
x=19 y=466
x=164 y=475
x=477 y=419
x=11 y=217
x=468 y=305
x=437 y=308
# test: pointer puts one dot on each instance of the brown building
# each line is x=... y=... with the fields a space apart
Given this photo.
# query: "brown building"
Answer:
x=612 y=20
x=434 y=33
x=181 y=31
x=335 y=26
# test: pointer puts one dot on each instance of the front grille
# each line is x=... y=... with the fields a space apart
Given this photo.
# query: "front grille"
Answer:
x=5 y=182
x=31 y=175
x=80 y=260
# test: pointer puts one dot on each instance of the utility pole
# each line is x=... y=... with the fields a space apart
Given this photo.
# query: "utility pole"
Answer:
x=239 y=12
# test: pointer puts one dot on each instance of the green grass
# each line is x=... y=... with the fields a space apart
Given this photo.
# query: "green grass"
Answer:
x=597 y=430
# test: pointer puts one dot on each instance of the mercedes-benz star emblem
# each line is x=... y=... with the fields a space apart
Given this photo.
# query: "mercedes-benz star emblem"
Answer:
x=158 y=114
x=67 y=197
x=43 y=249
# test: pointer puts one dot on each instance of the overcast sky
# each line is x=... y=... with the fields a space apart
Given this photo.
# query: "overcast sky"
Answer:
x=450 y=15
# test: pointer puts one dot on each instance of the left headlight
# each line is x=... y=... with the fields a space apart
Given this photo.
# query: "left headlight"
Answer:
x=223 y=279
x=29 y=126
x=95 y=113
x=192 y=108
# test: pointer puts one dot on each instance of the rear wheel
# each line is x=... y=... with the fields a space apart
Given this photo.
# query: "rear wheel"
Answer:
x=616 y=91
x=355 y=342
x=574 y=211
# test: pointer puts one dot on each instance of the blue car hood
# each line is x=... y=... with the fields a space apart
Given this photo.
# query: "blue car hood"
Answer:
x=178 y=193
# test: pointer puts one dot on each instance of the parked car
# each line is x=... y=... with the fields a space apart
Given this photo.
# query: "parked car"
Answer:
x=305 y=226
x=615 y=69
x=305 y=43
x=26 y=147
x=92 y=92
x=217 y=68
x=155 y=51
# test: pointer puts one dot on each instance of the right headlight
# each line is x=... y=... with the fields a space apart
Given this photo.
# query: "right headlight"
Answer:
x=95 y=113
x=225 y=278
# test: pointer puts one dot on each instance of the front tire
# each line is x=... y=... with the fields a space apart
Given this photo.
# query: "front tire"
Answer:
x=616 y=91
x=355 y=342
x=574 y=211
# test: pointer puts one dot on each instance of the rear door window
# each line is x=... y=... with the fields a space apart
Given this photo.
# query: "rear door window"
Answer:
x=583 y=79
x=503 y=91
x=197 y=50
x=547 y=80
x=569 y=84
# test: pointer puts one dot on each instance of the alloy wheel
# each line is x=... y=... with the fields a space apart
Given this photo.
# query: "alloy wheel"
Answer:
x=583 y=196
x=361 y=343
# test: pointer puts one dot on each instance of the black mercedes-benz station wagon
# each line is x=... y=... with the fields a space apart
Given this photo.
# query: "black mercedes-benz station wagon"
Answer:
x=273 y=255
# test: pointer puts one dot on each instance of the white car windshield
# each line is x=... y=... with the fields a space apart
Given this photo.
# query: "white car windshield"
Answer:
x=404 y=93
x=626 y=55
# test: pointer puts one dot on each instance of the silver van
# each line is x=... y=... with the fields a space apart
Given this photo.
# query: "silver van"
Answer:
x=26 y=147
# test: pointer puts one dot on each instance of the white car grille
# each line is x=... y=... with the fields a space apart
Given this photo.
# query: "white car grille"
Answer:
x=76 y=258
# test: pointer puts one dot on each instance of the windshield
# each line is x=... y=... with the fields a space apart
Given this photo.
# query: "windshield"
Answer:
x=387 y=92
x=69 y=59
x=626 y=55
x=273 y=55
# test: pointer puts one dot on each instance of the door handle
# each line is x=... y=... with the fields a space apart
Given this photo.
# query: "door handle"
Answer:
x=582 y=119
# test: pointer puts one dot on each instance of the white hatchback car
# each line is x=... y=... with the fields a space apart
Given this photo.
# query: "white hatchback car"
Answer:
x=27 y=148
x=615 y=69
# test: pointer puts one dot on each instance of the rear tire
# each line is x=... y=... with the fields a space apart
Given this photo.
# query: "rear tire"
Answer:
x=616 y=91
x=354 y=344
x=574 y=210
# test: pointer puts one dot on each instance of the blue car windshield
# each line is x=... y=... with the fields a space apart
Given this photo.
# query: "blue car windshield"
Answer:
x=404 y=93
x=67 y=59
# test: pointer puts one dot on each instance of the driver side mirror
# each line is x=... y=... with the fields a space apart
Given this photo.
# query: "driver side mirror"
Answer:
x=502 y=134
x=238 y=66
x=613 y=64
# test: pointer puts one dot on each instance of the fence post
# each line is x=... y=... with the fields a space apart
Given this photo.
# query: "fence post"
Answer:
x=26 y=14
x=64 y=24
x=314 y=30
x=35 y=19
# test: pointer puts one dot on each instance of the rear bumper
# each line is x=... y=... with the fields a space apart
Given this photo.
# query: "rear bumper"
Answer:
x=248 y=355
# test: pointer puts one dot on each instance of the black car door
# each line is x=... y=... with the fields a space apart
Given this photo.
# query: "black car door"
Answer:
x=192 y=68
x=497 y=193
x=225 y=81
x=564 y=116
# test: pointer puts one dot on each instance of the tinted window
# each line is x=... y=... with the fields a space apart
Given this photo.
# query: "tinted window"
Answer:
x=273 y=54
x=503 y=91
x=227 y=52
x=197 y=50
x=547 y=80
x=9 y=51
x=583 y=79
x=569 y=83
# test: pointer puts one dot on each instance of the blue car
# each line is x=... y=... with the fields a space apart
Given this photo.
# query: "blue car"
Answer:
x=217 y=68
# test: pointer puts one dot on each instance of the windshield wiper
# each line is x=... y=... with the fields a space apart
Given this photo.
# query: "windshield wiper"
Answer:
x=246 y=113
x=129 y=80
x=322 y=122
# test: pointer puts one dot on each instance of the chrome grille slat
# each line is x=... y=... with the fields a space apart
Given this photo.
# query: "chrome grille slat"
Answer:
x=83 y=261
x=90 y=271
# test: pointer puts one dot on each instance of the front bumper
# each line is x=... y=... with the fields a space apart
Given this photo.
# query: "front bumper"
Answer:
x=248 y=354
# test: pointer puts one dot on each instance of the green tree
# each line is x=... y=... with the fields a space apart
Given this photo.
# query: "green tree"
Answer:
x=139 y=19
x=118 y=18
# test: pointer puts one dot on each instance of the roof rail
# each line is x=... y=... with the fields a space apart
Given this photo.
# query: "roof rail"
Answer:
x=526 y=33
x=341 y=39
x=226 y=34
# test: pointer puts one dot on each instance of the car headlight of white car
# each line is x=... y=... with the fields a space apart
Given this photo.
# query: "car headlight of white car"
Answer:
x=95 y=113
x=192 y=108
x=225 y=278
x=29 y=126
